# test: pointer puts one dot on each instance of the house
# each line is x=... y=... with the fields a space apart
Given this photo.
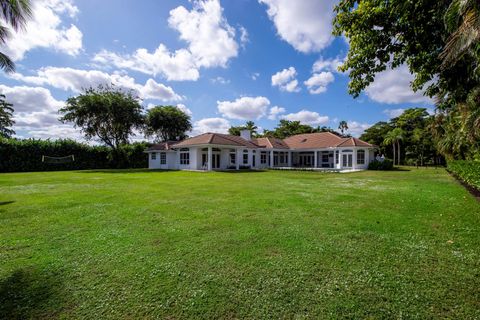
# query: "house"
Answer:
x=216 y=151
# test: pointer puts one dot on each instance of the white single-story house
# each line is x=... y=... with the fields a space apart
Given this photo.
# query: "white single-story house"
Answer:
x=216 y=151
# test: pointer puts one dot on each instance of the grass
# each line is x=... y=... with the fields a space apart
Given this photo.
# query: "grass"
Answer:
x=275 y=244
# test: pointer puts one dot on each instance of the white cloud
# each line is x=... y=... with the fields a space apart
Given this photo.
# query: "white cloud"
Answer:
x=275 y=112
x=306 y=24
x=307 y=117
x=210 y=39
x=76 y=80
x=318 y=82
x=185 y=109
x=393 y=86
x=393 y=113
x=285 y=80
x=244 y=38
x=356 y=128
x=46 y=30
x=220 y=80
x=30 y=99
x=255 y=76
x=327 y=65
x=245 y=108
x=217 y=125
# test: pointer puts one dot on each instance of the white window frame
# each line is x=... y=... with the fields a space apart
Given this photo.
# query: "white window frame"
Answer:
x=153 y=156
x=184 y=157
x=263 y=158
x=362 y=159
x=163 y=158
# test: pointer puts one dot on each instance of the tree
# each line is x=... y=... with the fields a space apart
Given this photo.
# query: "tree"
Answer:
x=13 y=13
x=343 y=126
x=249 y=125
x=376 y=135
x=167 y=123
x=6 y=120
x=106 y=113
x=287 y=128
x=393 y=138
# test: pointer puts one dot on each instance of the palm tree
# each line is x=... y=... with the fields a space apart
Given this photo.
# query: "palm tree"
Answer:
x=462 y=19
x=250 y=125
x=343 y=126
x=13 y=13
x=393 y=138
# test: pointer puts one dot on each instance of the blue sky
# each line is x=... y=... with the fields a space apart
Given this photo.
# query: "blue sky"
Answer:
x=224 y=62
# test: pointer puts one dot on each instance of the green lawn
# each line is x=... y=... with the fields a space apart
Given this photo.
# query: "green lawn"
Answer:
x=276 y=244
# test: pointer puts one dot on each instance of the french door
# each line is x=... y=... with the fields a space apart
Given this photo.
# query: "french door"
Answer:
x=347 y=160
x=215 y=160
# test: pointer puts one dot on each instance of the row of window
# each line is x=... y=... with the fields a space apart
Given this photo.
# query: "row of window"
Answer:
x=163 y=157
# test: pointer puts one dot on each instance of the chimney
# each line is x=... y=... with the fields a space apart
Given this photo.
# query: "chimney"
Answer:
x=246 y=134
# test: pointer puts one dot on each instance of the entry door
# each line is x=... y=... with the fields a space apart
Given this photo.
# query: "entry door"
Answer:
x=347 y=160
x=215 y=161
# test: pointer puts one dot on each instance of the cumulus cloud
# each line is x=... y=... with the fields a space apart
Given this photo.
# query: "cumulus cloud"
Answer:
x=210 y=43
x=307 y=117
x=30 y=99
x=244 y=38
x=327 y=64
x=76 y=80
x=245 y=108
x=47 y=30
x=285 y=80
x=356 y=128
x=275 y=112
x=306 y=24
x=185 y=109
x=393 y=113
x=393 y=87
x=217 y=125
x=318 y=82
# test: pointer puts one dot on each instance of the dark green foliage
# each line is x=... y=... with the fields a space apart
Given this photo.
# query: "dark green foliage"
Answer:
x=249 y=125
x=287 y=128
x=108 y=114
x=167 y=123
x=26 y=155
x=6 y=118
x=468 y=171
x=381 y=165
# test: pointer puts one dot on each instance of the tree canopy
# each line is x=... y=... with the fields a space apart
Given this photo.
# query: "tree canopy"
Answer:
x=6 y=118
x=249 y=125
x=167 y=123
x=106 y=113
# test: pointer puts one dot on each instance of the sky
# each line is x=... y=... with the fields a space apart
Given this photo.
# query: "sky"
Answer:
x=222 y=61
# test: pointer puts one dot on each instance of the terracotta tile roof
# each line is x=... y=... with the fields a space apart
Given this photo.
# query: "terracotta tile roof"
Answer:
x=271 y=143
x=216 y=139
x=163 y=146
x=322 y=140
x=354 y=142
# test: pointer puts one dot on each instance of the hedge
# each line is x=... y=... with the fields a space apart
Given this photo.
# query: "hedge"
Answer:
x=26 y=155
x=380 y=165
x=468 y=171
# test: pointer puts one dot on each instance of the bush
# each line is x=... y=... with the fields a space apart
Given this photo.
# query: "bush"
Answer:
x=26 y=155
x=381 y=165
x=467 y=171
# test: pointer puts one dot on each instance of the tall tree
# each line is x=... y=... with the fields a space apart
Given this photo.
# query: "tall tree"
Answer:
x=14 y=14
x=343 y=126
x=394 y=137
x=167 y=123
x=6 y=121
x=249 y=125
x=106 y=113
x=287 y=128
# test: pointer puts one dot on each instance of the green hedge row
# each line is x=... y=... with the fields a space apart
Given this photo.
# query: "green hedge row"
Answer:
x=26 y=155
x=380 y=165
x=468 y=171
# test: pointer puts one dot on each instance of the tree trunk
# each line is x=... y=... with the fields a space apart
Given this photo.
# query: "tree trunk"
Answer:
x=394 y=153
x=398 y=144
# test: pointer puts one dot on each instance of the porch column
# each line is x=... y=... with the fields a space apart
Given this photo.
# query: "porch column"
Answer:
x=271 y=159
x=209 y=160
x=340 y=159
x=237 y=159
x=354 y=160
x=315 y=159
x=334 y=158
x=289 y=159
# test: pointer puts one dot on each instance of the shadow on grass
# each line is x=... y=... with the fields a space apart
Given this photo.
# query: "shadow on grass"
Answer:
x=31 y=294
x=2 y=203
x=122 y=170
x=400 y=169
x=241 y=171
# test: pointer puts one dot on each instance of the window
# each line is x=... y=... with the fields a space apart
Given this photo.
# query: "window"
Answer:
x=163 y=158
x=361 y=157
x=245 y=156
x=282 y=157
x=337 y=155
x=325 y=157
x=153 y=156
x=184 y=156
x=233 y=156
x=263 y=158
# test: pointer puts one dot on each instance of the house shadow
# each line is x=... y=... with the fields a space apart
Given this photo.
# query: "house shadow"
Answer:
x=31 y=294
x=241 y=171
x=3 y=203
x=123 y=171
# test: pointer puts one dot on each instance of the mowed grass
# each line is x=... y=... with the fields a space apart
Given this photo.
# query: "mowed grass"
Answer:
x=275 y=244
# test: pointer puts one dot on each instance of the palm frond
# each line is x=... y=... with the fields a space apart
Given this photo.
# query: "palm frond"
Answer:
x=6 y=63
x=16 y=12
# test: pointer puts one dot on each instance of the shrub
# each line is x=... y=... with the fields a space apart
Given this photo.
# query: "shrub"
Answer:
x=26 y=155
x=467 y=171
x=380 y=165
